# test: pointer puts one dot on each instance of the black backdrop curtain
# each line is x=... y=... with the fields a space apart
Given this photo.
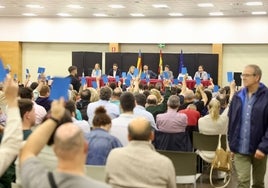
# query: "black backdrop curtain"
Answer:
x=85 y=62
x=190 y=61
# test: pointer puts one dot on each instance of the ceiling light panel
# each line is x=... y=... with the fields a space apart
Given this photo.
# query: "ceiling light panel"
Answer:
x=259 y=13
x=160 y=6
x=254 y=3
x=116 y=6
x=137 y=14
x=216 y=14
x=75 y=6
x=64 y=14
x=100 y=15
x=205 y=5
x=34 y=6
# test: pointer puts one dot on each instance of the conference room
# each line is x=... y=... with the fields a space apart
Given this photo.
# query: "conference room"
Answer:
x=44 y=39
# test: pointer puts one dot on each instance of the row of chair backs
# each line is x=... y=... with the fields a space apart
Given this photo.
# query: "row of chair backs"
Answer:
x=172 y=141
x=184 y=162
x=207 y=142
x=96 y=172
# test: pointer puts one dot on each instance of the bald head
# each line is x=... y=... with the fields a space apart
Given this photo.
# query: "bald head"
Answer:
x=140 y=129
x=68 y=139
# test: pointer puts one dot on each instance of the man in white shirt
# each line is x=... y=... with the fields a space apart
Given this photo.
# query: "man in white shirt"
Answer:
x=120 y=124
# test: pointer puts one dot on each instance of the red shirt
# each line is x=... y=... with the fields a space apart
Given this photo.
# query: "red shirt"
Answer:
x=193 y=116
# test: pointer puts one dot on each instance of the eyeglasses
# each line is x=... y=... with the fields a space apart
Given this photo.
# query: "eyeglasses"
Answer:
x=247 y=75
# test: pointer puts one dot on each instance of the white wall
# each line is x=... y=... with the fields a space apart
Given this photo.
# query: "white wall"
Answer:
x=49 y=42
x=142 y=30
x=235 y=57
x=57 y=57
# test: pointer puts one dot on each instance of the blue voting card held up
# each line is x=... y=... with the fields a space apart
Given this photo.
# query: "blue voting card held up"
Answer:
x=184 y=70
x=165 y=75
x=3 y=72
x=197 y=81
x=59 y=88
x=127 y=82
x=41 y=70
x=27 y=71
x=216 y=88
x=83 y=81
x=117 y=79
x=208 y=76
x=124 y=74
x=229 y=76
x=105 y=79
x=143 y=75
x=136 y=72
x=94 y=84
x=129 y=77
x=175 y=81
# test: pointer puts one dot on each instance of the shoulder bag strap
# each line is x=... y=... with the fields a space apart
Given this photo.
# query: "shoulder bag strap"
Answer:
x=219 y=142
x=51 y=180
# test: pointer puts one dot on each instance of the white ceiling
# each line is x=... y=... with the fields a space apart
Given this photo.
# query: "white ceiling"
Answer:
x=189 y=8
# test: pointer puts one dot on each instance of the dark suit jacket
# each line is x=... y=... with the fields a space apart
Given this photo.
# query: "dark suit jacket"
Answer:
x=152 y=74
x=118 y=72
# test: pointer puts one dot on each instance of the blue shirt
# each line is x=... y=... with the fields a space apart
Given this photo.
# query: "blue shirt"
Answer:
x=245 y=125
x=112 y=109
x=100 y=143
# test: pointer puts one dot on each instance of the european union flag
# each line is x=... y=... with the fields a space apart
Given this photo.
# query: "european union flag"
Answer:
x=181 y=62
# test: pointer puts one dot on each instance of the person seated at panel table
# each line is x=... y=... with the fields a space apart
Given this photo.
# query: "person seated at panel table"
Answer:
x=167 y=73
x=96 y=72
x=181 y=76
x=149 y=73
x=203 y=75
x=131 y=71
x=115 y=71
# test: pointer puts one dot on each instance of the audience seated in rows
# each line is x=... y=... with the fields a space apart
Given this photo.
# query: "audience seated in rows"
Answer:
x=138 y=164
x=141 y=111
x=70 y=148
x=12 y=133
x=120 y=124
x=105 y=95
x=100 y=141
x=172 y=121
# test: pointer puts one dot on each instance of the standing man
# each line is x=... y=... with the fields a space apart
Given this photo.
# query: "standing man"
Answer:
x=74 y=79
x=248 y=128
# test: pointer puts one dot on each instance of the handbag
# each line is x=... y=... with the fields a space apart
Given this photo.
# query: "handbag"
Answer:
x=222 y=162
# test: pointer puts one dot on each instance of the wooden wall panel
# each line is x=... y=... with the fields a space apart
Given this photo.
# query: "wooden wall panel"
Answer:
x=217 y=49
x=11 y=54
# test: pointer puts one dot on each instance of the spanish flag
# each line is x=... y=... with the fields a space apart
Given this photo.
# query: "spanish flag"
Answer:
x=139 y=65
x=160 y=66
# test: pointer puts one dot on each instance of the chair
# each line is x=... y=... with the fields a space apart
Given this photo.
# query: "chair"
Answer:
x=15 y=185
x=172 y=141
x=206 y=143
x=185 y=166
x=96 y=172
